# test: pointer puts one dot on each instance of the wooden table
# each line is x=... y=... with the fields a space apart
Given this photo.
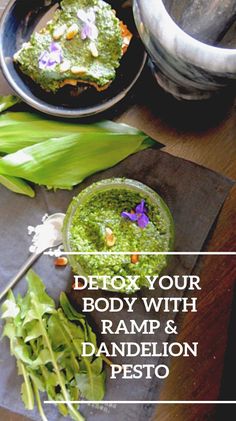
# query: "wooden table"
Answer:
x=206 y=134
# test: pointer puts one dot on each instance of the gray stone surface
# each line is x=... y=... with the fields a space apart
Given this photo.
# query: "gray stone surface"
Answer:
x=194 y=195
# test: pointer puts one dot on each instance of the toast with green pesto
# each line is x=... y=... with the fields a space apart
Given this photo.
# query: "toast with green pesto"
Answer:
x=82 y=44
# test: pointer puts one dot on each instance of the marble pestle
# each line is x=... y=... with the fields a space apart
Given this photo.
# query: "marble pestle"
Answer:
x=208 y=20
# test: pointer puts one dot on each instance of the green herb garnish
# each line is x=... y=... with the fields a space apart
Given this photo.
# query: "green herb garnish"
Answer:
x=46 y=343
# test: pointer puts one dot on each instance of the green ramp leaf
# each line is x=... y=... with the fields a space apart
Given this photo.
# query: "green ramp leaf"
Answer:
x=64 y=162
x=17 y=185
x=8 y=101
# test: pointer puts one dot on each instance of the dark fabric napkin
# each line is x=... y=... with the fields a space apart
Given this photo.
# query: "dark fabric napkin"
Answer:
x=195 y=196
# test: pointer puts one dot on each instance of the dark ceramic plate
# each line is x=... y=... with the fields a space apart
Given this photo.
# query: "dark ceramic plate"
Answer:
x=20 y=19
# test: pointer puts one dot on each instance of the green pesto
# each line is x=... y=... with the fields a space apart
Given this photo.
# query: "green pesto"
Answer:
x=103 y=210
x=101 y=69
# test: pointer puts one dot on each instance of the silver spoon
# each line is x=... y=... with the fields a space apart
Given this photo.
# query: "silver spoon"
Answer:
x=54 y=222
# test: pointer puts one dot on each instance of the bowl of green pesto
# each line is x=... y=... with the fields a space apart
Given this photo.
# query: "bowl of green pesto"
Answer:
x=118 y=215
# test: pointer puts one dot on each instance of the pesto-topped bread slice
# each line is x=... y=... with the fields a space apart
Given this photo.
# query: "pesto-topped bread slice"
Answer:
x=83 y=43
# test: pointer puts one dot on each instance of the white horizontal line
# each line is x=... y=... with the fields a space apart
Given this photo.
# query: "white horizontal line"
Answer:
x=157 y=253
x=141 y=402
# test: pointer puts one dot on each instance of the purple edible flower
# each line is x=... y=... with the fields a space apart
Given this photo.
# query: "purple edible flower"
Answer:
x=139 y=216
x=89 y=29
x=48 y=59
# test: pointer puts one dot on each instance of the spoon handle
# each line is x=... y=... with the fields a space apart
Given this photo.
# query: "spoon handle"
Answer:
x=20 y=273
